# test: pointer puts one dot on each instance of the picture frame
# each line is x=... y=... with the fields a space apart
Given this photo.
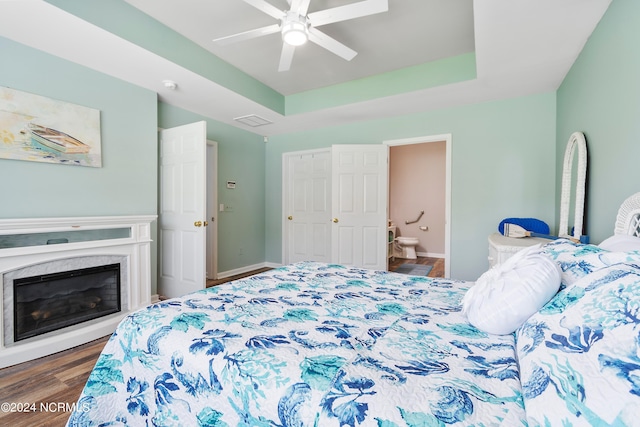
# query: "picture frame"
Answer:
x=40 y=129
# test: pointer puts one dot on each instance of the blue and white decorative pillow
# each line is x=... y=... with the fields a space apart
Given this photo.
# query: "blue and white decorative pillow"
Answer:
x=577 y=260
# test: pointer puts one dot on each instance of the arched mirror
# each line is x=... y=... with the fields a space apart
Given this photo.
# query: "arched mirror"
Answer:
x=577 y=144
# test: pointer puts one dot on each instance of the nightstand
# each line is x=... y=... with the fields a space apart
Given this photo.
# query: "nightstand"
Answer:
x=502 y=248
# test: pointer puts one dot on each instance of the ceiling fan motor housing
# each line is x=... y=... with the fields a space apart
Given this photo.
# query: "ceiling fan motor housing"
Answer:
x=295 y=29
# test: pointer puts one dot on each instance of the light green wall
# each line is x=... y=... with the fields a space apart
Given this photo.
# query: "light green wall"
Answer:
x=241 y=233
x=601 y=97
x=503 y=165
x=422 y=76
x=126 y=182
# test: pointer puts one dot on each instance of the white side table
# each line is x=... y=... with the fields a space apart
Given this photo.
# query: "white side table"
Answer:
x=502 y=247
x=391 y=241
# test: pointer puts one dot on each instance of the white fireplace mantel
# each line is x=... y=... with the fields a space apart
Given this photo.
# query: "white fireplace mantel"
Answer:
x=128 y=237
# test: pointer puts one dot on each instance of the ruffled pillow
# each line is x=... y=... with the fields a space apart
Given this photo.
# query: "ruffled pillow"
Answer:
x=504 y=297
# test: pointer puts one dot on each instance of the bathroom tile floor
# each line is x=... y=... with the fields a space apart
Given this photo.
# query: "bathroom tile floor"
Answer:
x=436 y=263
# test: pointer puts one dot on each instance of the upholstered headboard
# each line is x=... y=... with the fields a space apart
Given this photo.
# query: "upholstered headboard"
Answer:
x=628 y=219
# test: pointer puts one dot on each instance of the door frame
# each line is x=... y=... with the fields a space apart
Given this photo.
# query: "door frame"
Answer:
x=212 y=206
x=285 y=194
x=447 y=208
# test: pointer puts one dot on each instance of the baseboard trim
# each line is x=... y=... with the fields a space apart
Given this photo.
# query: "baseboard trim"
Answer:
x=155 y=298
x=430 y=255
x=272 y=265
x=246 y=269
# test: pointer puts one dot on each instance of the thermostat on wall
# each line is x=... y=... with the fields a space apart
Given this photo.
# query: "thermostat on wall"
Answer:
x=231 y=184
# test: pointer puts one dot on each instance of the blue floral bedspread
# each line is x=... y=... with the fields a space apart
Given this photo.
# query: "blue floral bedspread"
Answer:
x=308 y=344
x=579 y=355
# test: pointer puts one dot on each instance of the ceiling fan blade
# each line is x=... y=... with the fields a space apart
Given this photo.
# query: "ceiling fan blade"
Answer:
x=247 y=35
x=286 y=57
x=301 y=7
x=267 y=8
x=331 y=44
x=346 y=12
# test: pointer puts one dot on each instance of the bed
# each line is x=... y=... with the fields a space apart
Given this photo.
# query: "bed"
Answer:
x=314 y=344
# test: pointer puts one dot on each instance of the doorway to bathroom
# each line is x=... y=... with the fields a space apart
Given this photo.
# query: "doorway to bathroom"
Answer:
x=420 y=200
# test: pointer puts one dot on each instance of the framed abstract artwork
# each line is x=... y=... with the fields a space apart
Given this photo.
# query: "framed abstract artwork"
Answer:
x=40 y=129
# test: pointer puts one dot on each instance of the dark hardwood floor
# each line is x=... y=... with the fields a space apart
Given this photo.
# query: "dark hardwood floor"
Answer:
x=49 y=386
x=40 y=392
x=236 y=277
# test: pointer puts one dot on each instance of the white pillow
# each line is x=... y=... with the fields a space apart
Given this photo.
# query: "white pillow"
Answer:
x=621 y=243
x=504 y=297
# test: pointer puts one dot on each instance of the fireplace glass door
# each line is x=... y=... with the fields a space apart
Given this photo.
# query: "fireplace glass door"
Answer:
x=53 y=301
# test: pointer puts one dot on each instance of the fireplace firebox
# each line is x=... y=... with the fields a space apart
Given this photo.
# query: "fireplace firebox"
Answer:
x=48 y=302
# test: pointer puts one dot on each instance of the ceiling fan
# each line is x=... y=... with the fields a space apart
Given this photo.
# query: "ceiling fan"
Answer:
x=297 y=26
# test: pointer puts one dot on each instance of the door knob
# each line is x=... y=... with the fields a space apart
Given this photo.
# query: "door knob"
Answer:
x=206 y=223
x=335 y=220
x=198 y=223
x=289 y=217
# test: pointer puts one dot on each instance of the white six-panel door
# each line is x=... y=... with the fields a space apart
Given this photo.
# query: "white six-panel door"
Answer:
x=182 y=232
x=307 y=207
x=359 y=205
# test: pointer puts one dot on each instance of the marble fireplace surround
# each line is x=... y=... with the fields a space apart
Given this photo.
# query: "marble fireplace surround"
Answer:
x=131 y=250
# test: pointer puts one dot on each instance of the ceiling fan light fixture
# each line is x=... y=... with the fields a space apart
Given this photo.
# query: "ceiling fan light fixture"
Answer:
x=294 y=32
x=297 y=26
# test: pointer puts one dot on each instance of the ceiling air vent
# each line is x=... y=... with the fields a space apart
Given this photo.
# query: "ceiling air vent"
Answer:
x=252 y=120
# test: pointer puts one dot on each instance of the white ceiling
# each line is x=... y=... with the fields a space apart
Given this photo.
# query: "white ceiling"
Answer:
x=522 y=47
x=412 y=32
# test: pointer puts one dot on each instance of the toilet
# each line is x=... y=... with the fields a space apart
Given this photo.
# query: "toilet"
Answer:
x=408 y=246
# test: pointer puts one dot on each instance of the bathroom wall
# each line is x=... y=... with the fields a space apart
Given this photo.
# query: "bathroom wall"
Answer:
x=417 y=183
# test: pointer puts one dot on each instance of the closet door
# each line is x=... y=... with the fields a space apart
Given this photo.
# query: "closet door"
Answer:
x=307 y=192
